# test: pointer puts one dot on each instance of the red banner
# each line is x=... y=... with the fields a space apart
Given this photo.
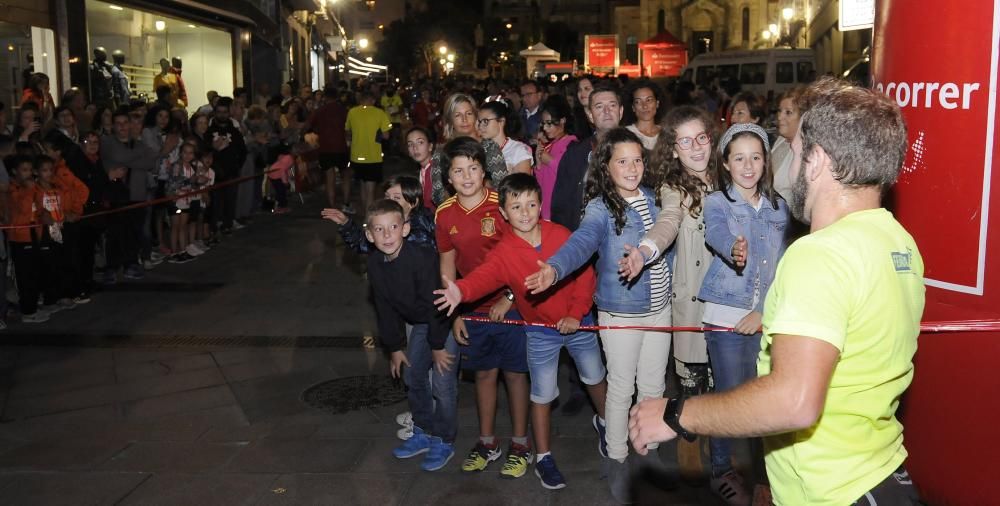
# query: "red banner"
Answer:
x=943 y=191
x=664 y=61
x=602 y=51
x=630 y=70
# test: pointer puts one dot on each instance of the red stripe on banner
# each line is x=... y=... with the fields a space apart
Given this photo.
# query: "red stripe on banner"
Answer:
x=925 y=327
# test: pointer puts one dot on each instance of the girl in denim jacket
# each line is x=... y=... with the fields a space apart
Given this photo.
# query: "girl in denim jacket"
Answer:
x=745 y=222
x=619 y=212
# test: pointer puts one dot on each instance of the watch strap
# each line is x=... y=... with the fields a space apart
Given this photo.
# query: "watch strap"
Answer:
x=672 y=417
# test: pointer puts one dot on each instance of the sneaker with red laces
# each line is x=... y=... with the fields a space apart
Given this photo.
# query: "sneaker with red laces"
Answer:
x=518 y=461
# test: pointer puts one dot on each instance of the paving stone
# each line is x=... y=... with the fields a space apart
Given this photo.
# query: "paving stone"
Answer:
x=152 y=457
x=299 y=456
x=76 y=489
x=181 y=402
x=451 y=487
x=164 y=366
x=64 y=382
x=21 y=407
x=65 y=454
x=40 y=362
x=325 y=489
x=208 y=489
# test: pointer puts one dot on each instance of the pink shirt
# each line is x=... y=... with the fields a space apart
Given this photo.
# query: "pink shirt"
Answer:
x=545 y=173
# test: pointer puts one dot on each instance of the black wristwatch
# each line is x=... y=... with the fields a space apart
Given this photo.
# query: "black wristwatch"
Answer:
x=509 y=295
x=672 y=417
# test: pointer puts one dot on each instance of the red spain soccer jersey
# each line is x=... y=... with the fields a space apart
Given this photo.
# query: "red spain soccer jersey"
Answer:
x=471 y=233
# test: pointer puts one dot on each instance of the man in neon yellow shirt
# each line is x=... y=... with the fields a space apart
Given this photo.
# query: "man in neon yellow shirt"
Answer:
x=367 y=126
x=840 y=322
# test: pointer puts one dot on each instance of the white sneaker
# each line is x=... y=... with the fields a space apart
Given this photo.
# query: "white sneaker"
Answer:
x=193 y=250
x=201 y=245
x=238 y=226
x=405 y=419
x=156 y=256
x=39 y=316
x=405 y=433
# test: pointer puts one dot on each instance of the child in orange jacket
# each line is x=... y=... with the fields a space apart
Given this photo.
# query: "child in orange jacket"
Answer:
x=24 y=240
x=50 y=201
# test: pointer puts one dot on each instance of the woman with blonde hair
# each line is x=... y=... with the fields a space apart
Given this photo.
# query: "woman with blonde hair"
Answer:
x=460 y=115
x=789 y=113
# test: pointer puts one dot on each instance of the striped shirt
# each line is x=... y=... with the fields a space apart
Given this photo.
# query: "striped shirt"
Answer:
x=659 y=271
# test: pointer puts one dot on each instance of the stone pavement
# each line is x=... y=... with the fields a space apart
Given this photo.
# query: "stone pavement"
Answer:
x=187 y=388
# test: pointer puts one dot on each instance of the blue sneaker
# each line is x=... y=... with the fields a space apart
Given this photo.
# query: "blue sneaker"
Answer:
x=417 y=444
x=438 y=456
x=548 y=473
x=602 y=434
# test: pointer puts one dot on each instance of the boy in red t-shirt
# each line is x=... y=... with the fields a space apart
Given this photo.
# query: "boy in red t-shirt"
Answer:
x=468 y=226
x=518 y=254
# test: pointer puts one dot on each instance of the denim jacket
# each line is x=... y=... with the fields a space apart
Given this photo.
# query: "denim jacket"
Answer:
x=596 y=234
x=764 y=231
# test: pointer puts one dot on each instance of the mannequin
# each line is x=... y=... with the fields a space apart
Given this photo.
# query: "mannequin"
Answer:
x=120 y=84
x=101 y=92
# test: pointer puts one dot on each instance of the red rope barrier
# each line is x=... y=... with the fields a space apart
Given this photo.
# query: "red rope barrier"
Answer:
x=925 y=327
x=154 y=202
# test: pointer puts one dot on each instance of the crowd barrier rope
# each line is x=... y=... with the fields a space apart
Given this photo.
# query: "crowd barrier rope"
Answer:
x=932 y=327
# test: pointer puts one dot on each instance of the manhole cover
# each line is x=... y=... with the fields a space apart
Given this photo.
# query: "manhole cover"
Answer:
x=352 y=393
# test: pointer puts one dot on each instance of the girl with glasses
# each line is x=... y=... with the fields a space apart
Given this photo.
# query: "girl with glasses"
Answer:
x=681 y=171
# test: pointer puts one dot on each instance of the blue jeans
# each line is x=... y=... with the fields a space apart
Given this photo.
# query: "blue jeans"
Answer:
x=734 y=362
x=544 y=345
x=433 y=400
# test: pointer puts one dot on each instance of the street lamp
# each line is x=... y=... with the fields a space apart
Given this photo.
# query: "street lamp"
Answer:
x=773 y=28
x=442 y=61
x=766 y=35
x=363 y=43
x=509 y=26
x=787 y=13
x=443 y=50
x=451 y=57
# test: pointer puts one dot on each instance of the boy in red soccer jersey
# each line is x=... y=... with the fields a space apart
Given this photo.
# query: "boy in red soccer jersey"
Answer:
x=514 y=258
x=468 y=226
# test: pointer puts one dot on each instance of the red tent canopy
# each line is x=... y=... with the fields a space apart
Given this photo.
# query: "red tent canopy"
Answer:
x=663 y=55
x=664 y=39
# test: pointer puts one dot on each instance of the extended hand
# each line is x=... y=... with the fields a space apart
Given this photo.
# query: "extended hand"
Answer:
x=740 y=251
x=541 y=280
x=646 y=425
x=335 y=215
x=631 y=263
x=451 y=296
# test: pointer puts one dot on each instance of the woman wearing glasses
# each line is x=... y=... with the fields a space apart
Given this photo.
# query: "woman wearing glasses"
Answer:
x=497 y=124
x=682 y=172
x=555 y=135
x=459 y=117
x=643 y=117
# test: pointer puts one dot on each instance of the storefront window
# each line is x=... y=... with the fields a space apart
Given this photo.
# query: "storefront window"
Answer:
x=144 y=39
x=24 y=50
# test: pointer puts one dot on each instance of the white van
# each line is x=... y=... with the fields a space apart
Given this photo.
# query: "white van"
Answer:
x=762 y=71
